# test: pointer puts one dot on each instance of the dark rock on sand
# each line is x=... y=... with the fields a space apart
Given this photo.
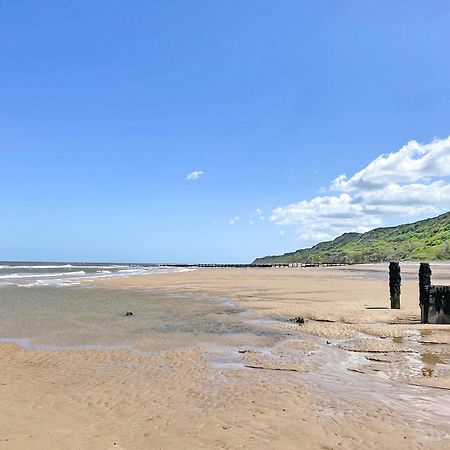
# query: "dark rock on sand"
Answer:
x=298 y=320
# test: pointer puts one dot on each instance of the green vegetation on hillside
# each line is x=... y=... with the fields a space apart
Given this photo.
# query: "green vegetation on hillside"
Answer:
x=424 y=240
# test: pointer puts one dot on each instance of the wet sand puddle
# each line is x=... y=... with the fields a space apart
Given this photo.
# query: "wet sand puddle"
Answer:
x=59 y=318
x=345 y=374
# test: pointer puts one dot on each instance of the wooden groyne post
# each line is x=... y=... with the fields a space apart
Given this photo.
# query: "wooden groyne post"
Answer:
x=434 y=300
x=438 y=304
x=424 y=282
x=395 y=280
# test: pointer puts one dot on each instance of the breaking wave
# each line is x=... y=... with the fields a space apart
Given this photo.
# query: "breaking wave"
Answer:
x=34 y=275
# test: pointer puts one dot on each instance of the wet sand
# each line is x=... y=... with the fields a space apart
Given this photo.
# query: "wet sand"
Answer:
x=354 y=375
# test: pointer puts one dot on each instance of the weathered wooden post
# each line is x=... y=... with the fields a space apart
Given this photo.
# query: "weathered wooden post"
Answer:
x=395 y=280
x=424 y=283
x=438 y=304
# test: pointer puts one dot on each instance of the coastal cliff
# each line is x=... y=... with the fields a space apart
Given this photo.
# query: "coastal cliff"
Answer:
x=423 y=240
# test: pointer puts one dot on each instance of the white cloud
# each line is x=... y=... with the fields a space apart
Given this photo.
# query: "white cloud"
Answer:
x=234 y=220
x=413 y=162
x=194 y=175
x=407 y=200
x=325 y=217
x=413 y=181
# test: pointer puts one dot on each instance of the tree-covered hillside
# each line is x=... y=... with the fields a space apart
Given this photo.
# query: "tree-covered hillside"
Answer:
x=424 y=240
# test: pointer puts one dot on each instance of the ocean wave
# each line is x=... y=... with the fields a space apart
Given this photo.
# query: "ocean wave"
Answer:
x=62 y=266
x=70 y=278
x=37 y=266
x=44 y=283
x=41 y=275
x=141 y=270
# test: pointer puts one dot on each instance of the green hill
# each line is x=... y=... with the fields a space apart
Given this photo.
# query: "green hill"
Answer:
x=424 y=240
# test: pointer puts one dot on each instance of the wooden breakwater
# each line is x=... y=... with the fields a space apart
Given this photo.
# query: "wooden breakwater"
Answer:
x=395 y=281
x=238 y=266
x=434 y=300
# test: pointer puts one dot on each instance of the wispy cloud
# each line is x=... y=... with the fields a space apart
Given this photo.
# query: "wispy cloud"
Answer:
x=257 y=215
x=234 y=220
x=413 y=181
x=196 y=174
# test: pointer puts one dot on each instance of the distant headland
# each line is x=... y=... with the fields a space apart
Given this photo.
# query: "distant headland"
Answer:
x=427 y=239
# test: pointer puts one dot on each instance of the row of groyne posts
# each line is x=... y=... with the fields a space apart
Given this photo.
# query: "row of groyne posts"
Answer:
x=240 y=266
x=434 y=300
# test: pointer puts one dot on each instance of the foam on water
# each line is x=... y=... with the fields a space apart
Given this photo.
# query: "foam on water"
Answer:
x=37 y=274
x=42 y=275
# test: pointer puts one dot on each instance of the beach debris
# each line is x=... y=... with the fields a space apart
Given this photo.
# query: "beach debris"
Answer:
x=129 y=313
x=395 y=280
x=352 y=369
x=300 y=320
x=382 y=360
x=281 y=369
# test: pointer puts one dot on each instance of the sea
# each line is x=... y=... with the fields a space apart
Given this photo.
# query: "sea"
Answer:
x=59 y=306
x=24 y=274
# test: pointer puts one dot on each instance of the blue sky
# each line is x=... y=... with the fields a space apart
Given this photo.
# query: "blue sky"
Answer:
x=106 y=107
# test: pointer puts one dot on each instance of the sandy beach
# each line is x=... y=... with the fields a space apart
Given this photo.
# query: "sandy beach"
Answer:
x=166 y=167
x=355 y=375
